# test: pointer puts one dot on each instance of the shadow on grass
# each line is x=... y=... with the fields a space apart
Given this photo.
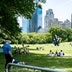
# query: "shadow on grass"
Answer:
x=45 y=61
x=40 y=60
x=32 y=49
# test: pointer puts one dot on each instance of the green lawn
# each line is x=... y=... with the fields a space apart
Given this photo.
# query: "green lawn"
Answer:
x=40 y=58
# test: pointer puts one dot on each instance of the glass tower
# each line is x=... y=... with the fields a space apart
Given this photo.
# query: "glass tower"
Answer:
x=36 y=22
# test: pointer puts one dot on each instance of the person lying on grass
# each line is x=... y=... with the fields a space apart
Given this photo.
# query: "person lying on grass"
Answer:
x=17 y=61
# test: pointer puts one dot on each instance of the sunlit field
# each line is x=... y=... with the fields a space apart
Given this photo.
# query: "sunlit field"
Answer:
x=40 y=58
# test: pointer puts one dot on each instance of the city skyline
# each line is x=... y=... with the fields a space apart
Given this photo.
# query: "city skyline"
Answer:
x=62 y=9
x=50 y=21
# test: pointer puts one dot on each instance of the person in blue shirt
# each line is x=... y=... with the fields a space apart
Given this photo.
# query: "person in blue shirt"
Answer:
x=7 y=52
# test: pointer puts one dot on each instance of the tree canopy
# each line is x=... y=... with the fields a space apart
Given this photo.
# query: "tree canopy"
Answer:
x=10 y=10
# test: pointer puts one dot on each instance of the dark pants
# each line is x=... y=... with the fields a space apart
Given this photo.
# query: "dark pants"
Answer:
x=8 y=60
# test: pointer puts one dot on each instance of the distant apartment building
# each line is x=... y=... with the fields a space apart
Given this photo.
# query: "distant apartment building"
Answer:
x=61 y=24
x=67 y=24
x=50 y=21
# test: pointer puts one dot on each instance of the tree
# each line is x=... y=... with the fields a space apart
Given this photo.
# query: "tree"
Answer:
x=55 y=30
x=38 y=3
x=65 y=34
x=10 y=10
x=69 y=34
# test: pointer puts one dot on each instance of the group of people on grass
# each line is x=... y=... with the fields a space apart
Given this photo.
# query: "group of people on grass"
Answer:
x=51 y=53
x=19 y=51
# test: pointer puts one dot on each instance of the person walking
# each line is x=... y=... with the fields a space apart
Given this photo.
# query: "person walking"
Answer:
x=7 y=52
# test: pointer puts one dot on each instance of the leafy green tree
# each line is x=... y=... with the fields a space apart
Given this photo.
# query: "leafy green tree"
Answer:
x=1 y=40
x=9 y=12
x=25 y=38
x=31 y=38
x=40 y=38
x=65 y=34
x=69 y=34
x=48 y=37
x=56 y=30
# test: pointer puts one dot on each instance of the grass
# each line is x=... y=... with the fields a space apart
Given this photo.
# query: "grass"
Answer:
x=40 y=58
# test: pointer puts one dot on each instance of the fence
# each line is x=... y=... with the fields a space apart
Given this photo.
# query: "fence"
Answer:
x=34 y=68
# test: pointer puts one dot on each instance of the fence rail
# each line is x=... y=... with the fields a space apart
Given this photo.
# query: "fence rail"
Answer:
x=34 y=68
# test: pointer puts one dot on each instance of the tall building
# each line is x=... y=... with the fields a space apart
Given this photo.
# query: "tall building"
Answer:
x=67 y=24
x=60 y=24
x=25 y=25
x=49 y=14
x=50 y=21
x=35 y=23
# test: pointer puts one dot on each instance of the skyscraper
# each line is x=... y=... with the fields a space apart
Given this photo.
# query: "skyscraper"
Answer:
x=35 y=22
x=49 y=19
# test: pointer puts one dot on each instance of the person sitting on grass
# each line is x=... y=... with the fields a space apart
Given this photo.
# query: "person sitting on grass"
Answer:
x=61 y=53
x=51 y=53
x=56 y=53
x=26 y=51
x=17 y=51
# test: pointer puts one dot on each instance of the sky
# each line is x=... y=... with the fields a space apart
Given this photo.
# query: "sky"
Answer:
x=62 y=9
